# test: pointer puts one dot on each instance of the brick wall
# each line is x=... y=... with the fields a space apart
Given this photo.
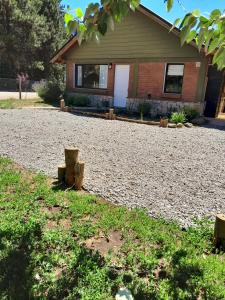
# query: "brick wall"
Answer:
x=190 y=81
x=151 y=81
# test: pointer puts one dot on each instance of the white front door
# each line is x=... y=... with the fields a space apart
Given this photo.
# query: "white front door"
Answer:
x=121 y=85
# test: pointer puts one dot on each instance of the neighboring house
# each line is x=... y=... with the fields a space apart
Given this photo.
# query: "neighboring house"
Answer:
x=139 y=60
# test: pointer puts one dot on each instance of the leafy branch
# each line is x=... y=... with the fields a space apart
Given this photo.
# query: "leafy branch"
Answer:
x=207 y=31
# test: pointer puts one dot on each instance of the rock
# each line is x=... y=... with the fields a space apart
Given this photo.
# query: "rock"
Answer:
x=124 y=294
x=171 y=125
x=188 y=125
x=180 y=125
x=199 y=121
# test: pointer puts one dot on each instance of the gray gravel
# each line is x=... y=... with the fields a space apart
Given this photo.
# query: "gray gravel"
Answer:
x=175 y=173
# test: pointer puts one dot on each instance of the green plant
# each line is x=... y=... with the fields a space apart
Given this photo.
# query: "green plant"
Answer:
x=178 y=117
x=50 y=90
x=144 y=108
x=78 y=100
x=190 y=113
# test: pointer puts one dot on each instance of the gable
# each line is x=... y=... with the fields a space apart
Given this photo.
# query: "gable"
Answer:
x=136 y=37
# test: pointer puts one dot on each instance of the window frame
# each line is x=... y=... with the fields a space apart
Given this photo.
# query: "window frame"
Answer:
x=82 y=86
x=165 y=78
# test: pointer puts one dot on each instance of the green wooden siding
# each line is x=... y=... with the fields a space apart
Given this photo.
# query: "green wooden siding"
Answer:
x=136 y=37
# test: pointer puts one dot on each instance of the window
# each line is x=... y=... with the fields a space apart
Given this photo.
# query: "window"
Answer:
x=174 y=78
x=91 y=76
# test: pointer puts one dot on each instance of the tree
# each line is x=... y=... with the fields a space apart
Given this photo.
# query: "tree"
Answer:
x=30 y=32
x=207 y=31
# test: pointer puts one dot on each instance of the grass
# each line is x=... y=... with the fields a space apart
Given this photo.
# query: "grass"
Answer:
x=15 y=103
x=62 y=244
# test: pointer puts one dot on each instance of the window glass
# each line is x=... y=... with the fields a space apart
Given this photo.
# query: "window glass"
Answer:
x=103 y=78
x=92 y=76
x=79 y=75
x=174 y=78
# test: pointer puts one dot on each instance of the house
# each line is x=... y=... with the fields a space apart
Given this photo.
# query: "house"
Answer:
x=139 y=60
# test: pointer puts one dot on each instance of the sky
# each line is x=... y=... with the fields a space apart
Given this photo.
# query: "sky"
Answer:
x=158 y=6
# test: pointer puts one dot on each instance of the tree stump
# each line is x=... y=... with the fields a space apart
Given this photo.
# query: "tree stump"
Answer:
x=62 y=104
x=71 y=158
x=219 y=230
x=66 y=109
x=110 y=115
x=79 y=175
x=61 y=173
x=163 y=122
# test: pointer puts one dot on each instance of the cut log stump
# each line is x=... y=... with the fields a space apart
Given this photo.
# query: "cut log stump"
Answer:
x=219 y=230
x=62 y=104
x=164 y=123
x=71 y=158
x=110 y=115
x=61 y=173
x=79 y=175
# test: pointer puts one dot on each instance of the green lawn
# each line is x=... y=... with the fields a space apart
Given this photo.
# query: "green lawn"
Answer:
x=61 y=244
x=15 y=103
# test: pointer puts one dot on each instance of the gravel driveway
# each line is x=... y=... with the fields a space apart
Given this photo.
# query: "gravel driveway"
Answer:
x=175 y=173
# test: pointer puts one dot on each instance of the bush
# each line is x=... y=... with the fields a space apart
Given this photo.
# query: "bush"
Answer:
x=78 y=100
x=144 y=108
x=190 y=113
x=49 y=90
x=178 y=117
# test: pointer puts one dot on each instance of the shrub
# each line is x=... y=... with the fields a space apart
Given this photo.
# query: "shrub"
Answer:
x=190 y=113
x=78 y=100
x=144 y=108
x=178 y=117
x=49 y=90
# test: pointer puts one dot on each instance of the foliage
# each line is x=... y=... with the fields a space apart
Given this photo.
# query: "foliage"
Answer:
x=30 y=33
x=190 y=113
x=78 y=100
x=178 y=117
x=49 y=91
x=206 y=31
x=41 y=258
x=144 y=108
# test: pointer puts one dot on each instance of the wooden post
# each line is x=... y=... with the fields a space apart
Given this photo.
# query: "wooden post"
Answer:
x=62 y=104
x=219 y=230
x=163 y=123
x=66 y=109
x=110 y=115
x=79 y=175
x=61 y=173
x=71 y=158
x=20 y=87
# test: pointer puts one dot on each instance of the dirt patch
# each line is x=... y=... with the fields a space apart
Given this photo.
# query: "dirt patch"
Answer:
x=103 y=245
x=50 y=224
x=50 y=210
x=65 y=223
x=160 y=272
